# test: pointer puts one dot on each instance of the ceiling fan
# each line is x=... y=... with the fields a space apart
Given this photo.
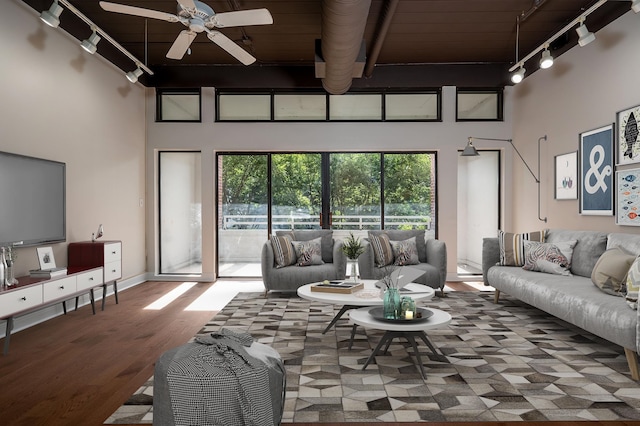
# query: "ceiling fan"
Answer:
x=199 y=17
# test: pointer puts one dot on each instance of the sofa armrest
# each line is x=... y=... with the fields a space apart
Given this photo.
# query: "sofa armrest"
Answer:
x=267 y=264
x=437 y=256
x=490 y=256
x=339 y=259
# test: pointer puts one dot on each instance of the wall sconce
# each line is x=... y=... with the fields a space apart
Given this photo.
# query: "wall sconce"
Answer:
x=584 y=35
x=51 y=17
x=91 y=44
x=470 y=151
x=132 y=76
x=546 y=60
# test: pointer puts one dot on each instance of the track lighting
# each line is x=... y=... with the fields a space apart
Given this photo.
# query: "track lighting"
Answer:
x=518 y=76
x=546 y=60
x=635 y=5
x=132 y=76
x=91 y=44
x=585 y=36
x=51 y=17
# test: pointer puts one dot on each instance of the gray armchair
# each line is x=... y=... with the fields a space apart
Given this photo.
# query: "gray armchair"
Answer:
x=289 y=278
x=432 y=254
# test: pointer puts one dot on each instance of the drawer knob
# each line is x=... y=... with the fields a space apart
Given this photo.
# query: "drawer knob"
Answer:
x=113 y=252
x=90 y=278
x=113 y=270
x=23 y=298
x=61 y=287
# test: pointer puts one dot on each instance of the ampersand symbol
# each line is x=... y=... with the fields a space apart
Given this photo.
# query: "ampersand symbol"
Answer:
x=596 y=158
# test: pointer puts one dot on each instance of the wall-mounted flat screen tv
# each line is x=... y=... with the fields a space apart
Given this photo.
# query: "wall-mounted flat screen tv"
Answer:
x=32 y=200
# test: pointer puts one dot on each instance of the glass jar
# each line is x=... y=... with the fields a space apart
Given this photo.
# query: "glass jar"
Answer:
x=407 y=308
x=391 y=303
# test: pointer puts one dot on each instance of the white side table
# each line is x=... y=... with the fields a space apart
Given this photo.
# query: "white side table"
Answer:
x=365 y=297
x=407 y=329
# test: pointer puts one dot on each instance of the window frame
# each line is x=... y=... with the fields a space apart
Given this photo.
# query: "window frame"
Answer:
x=499 y=92
x=160 y=92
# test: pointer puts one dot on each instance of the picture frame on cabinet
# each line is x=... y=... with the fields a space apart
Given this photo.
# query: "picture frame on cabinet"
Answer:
x=628 y=197
x=566 y=176
x=596 y=171
x=45 y=258
x=627 y=136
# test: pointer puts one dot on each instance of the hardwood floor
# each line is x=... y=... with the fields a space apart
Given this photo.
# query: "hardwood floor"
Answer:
x=79 y=368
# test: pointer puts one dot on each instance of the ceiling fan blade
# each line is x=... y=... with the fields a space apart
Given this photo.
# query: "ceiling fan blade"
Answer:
x=242 y=18
x=182 y=43
x=233 y=49
x=138 y=11
x=187 y=3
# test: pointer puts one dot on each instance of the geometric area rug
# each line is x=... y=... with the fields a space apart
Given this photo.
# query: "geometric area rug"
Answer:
x=506 y=362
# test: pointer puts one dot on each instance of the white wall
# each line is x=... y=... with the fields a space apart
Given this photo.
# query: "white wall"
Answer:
x=582 y=91
x=63 y=104
x=445 y=138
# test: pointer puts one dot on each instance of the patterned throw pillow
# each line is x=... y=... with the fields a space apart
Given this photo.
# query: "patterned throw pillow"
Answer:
x=610 y=272
x=283 y=252
x=512 y=246
x=550 y=258
x=633 y=284
x=308 y=252
x=382 y=250
x=405 y=252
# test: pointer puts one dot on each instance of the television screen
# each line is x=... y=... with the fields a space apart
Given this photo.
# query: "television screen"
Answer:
x=32 y=200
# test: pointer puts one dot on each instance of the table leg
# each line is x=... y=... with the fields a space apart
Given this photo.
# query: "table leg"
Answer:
x=409 y=337
x=388 y=336
x=353 y=334
x=335 y=319
x=427 y=342
x=7 y=336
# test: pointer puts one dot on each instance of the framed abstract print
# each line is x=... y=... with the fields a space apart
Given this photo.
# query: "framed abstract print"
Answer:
x=627 y=138
x=628 y=197
x=566 y=176
x=596 y=171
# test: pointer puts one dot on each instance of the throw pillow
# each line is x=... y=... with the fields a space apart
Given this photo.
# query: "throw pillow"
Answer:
x=405 y=252
x=633 y=284
x=308 y=252
x=549 y=258
x=382 y=251
x=611 y=269
x=283 y=252
x=512 y=246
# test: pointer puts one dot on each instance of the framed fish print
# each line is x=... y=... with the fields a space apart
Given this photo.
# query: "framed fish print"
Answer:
x=566 y=176
x=596 y=171
x=627 y=138
x=628 y=195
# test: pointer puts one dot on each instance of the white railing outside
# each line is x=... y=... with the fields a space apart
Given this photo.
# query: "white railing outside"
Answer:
x=243 y=222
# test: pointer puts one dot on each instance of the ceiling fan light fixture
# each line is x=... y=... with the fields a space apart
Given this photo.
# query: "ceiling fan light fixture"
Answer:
x=546 y=60
x=518 y=76
x=584 y=35
x=133 y=76
x=51 y=17
x=91 y=44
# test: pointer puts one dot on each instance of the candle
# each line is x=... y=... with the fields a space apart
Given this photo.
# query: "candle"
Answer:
x=408 y=315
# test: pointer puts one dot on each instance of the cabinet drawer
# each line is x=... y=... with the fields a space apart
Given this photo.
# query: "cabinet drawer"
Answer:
x=112 y=271
x=112 y=252
x=89 y=279
x=57 y=289
x=20 y=300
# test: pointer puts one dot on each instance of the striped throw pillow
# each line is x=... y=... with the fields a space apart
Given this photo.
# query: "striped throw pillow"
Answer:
x=382 y=250
x=512 y=246
x=283 y=252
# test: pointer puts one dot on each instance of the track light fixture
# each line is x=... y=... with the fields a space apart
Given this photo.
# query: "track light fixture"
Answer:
x=546 y=60
x=585 y=36
x=518 y=76
x=635 y=6
x=51 y=17
x=91 y=44
x=132 y=76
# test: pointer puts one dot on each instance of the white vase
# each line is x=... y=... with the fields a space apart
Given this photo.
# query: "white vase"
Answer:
x=352 y=268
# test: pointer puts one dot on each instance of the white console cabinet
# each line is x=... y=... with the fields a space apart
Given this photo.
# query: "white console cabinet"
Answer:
x=32 y=293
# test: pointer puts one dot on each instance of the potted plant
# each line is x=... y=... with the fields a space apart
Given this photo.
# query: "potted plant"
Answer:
x=352 y=248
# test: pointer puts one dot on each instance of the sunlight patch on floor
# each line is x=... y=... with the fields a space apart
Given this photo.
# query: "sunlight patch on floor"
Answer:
x=170 y=297
x=221 y=293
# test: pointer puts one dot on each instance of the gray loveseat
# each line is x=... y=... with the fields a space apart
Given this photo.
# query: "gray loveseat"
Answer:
x=431 y=253
x=289 y=278
x=574 y=298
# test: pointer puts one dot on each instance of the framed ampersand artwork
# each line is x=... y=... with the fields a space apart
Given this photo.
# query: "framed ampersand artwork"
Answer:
x=627 y=137
x=596 y=171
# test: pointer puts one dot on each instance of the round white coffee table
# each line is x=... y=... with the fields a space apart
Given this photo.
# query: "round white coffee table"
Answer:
x=368 y=296
x=407 y=329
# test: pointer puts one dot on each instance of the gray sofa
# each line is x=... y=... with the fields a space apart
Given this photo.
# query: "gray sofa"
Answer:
x=431 y=253
x=289 y=278
x=574 y=298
